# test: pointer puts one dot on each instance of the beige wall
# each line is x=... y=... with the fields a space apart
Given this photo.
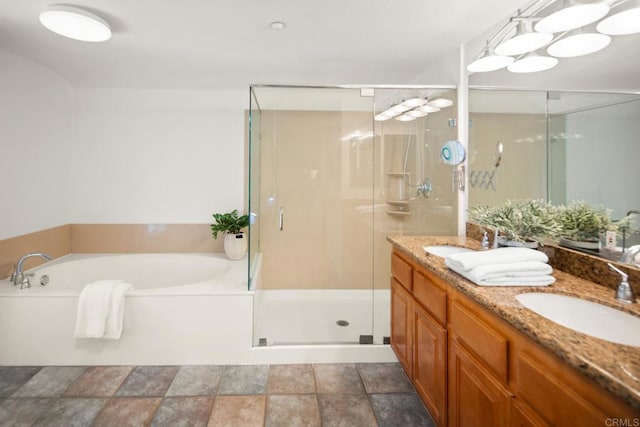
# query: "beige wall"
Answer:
x=522 y=172
x=107 y=238
x=334 y=195
x=326 y=241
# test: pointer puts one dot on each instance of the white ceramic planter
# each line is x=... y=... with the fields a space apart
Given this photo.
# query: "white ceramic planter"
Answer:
x=235 y=245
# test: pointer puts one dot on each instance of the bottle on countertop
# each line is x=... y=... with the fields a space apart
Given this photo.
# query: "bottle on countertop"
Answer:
x=485 y=241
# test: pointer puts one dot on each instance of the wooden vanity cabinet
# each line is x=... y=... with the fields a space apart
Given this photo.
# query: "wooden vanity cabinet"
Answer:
x=401 y=325
x=476 y=397
x=418 y=332
x=478 y=367
x=471 y=368
x=430 y=363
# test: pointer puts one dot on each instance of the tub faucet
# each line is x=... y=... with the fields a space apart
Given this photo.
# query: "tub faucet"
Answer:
x=18 y=277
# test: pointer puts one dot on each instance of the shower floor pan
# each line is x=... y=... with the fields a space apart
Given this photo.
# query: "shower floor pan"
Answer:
x=319 y=316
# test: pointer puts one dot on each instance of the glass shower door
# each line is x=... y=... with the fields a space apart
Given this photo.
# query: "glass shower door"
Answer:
x=315 y=216
x=253 y=178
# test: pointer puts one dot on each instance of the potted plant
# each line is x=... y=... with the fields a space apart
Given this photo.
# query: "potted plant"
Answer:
x=523 y=222
x=231 y=224
x=582 y=224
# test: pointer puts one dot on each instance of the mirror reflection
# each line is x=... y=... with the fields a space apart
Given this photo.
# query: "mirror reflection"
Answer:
x=560 y=147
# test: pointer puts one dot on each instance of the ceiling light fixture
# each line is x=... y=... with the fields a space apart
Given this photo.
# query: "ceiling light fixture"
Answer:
x=572 y=16
x=382 y=116
x=278 y=25
x=428 y=108
x=413 y=102
x=578 y=43
x=439 y=103
x=624 y=20
x=75 y=23
x=574 y=20
x=416 y=113
x=532 y=63
x=489 y=61
x=525 y=40
x=398 y=109
x=404 y=118
x=411 y=108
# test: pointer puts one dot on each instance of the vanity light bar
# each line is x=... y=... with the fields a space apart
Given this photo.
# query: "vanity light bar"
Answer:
x=571 y=23
x=411 y=108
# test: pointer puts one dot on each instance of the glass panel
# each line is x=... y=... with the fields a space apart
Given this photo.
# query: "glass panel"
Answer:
x=516 y=121
x=316 y=170
x=408 y=164
x=333 y=185
x=255 y=125
x=590 y=153
x=594 y=149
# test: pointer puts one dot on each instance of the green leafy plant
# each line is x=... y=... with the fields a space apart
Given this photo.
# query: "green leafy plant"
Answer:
x=229 y=223
x=521 y=220
x=628 y=224
x=581 y=221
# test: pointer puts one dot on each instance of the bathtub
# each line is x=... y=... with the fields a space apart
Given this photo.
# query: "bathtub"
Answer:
x=185 y=309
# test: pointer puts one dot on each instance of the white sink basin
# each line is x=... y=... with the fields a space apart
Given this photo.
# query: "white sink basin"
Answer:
x=584 y=316
x=445 y=250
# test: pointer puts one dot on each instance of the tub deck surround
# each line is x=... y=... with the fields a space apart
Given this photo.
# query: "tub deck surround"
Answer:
x=185 y=309
x=178 y=313
x=107 y=238
x=614 y=367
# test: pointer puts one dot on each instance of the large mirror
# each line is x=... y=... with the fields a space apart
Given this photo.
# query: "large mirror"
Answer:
x=558 y=146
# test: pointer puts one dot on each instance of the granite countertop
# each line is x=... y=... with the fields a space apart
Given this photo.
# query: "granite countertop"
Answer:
x=615 y=367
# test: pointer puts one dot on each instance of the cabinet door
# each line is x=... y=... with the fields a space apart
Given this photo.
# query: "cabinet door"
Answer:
x=523 y=416
x=557 y=402
x=476 y=397
x=430 y=363
x=401 y=325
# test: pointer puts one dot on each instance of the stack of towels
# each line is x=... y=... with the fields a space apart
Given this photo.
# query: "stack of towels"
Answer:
x=503 y=267
x=101 y=309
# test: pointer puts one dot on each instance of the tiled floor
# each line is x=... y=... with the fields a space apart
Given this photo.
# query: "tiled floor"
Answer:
x=254 y=395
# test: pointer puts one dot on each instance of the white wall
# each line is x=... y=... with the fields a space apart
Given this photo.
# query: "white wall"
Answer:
x=602 y=157
x=157 y=156
x=35 y=136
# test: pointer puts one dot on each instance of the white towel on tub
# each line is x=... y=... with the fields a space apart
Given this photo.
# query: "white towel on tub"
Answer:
x=101 y=309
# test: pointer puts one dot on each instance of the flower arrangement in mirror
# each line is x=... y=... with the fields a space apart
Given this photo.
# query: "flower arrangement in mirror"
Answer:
x=521 y=222
x=581 y=224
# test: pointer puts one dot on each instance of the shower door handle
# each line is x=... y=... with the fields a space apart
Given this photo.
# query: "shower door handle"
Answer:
x=281 y=226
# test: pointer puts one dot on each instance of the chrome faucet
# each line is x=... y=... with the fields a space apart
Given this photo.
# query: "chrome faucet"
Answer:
x=629 y=255
x=624 y=293
x=18 y=277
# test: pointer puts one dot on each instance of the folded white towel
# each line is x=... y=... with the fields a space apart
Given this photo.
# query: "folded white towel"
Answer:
x=514 y=269
x=538 y=274
x=468 y=260
x=101 y=309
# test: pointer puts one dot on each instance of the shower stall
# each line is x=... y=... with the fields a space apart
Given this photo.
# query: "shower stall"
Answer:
x=327 y=184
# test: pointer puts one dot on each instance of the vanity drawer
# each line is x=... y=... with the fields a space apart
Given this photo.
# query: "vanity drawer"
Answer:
x=431 y=295
x=480 y=337
x=401 y=270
